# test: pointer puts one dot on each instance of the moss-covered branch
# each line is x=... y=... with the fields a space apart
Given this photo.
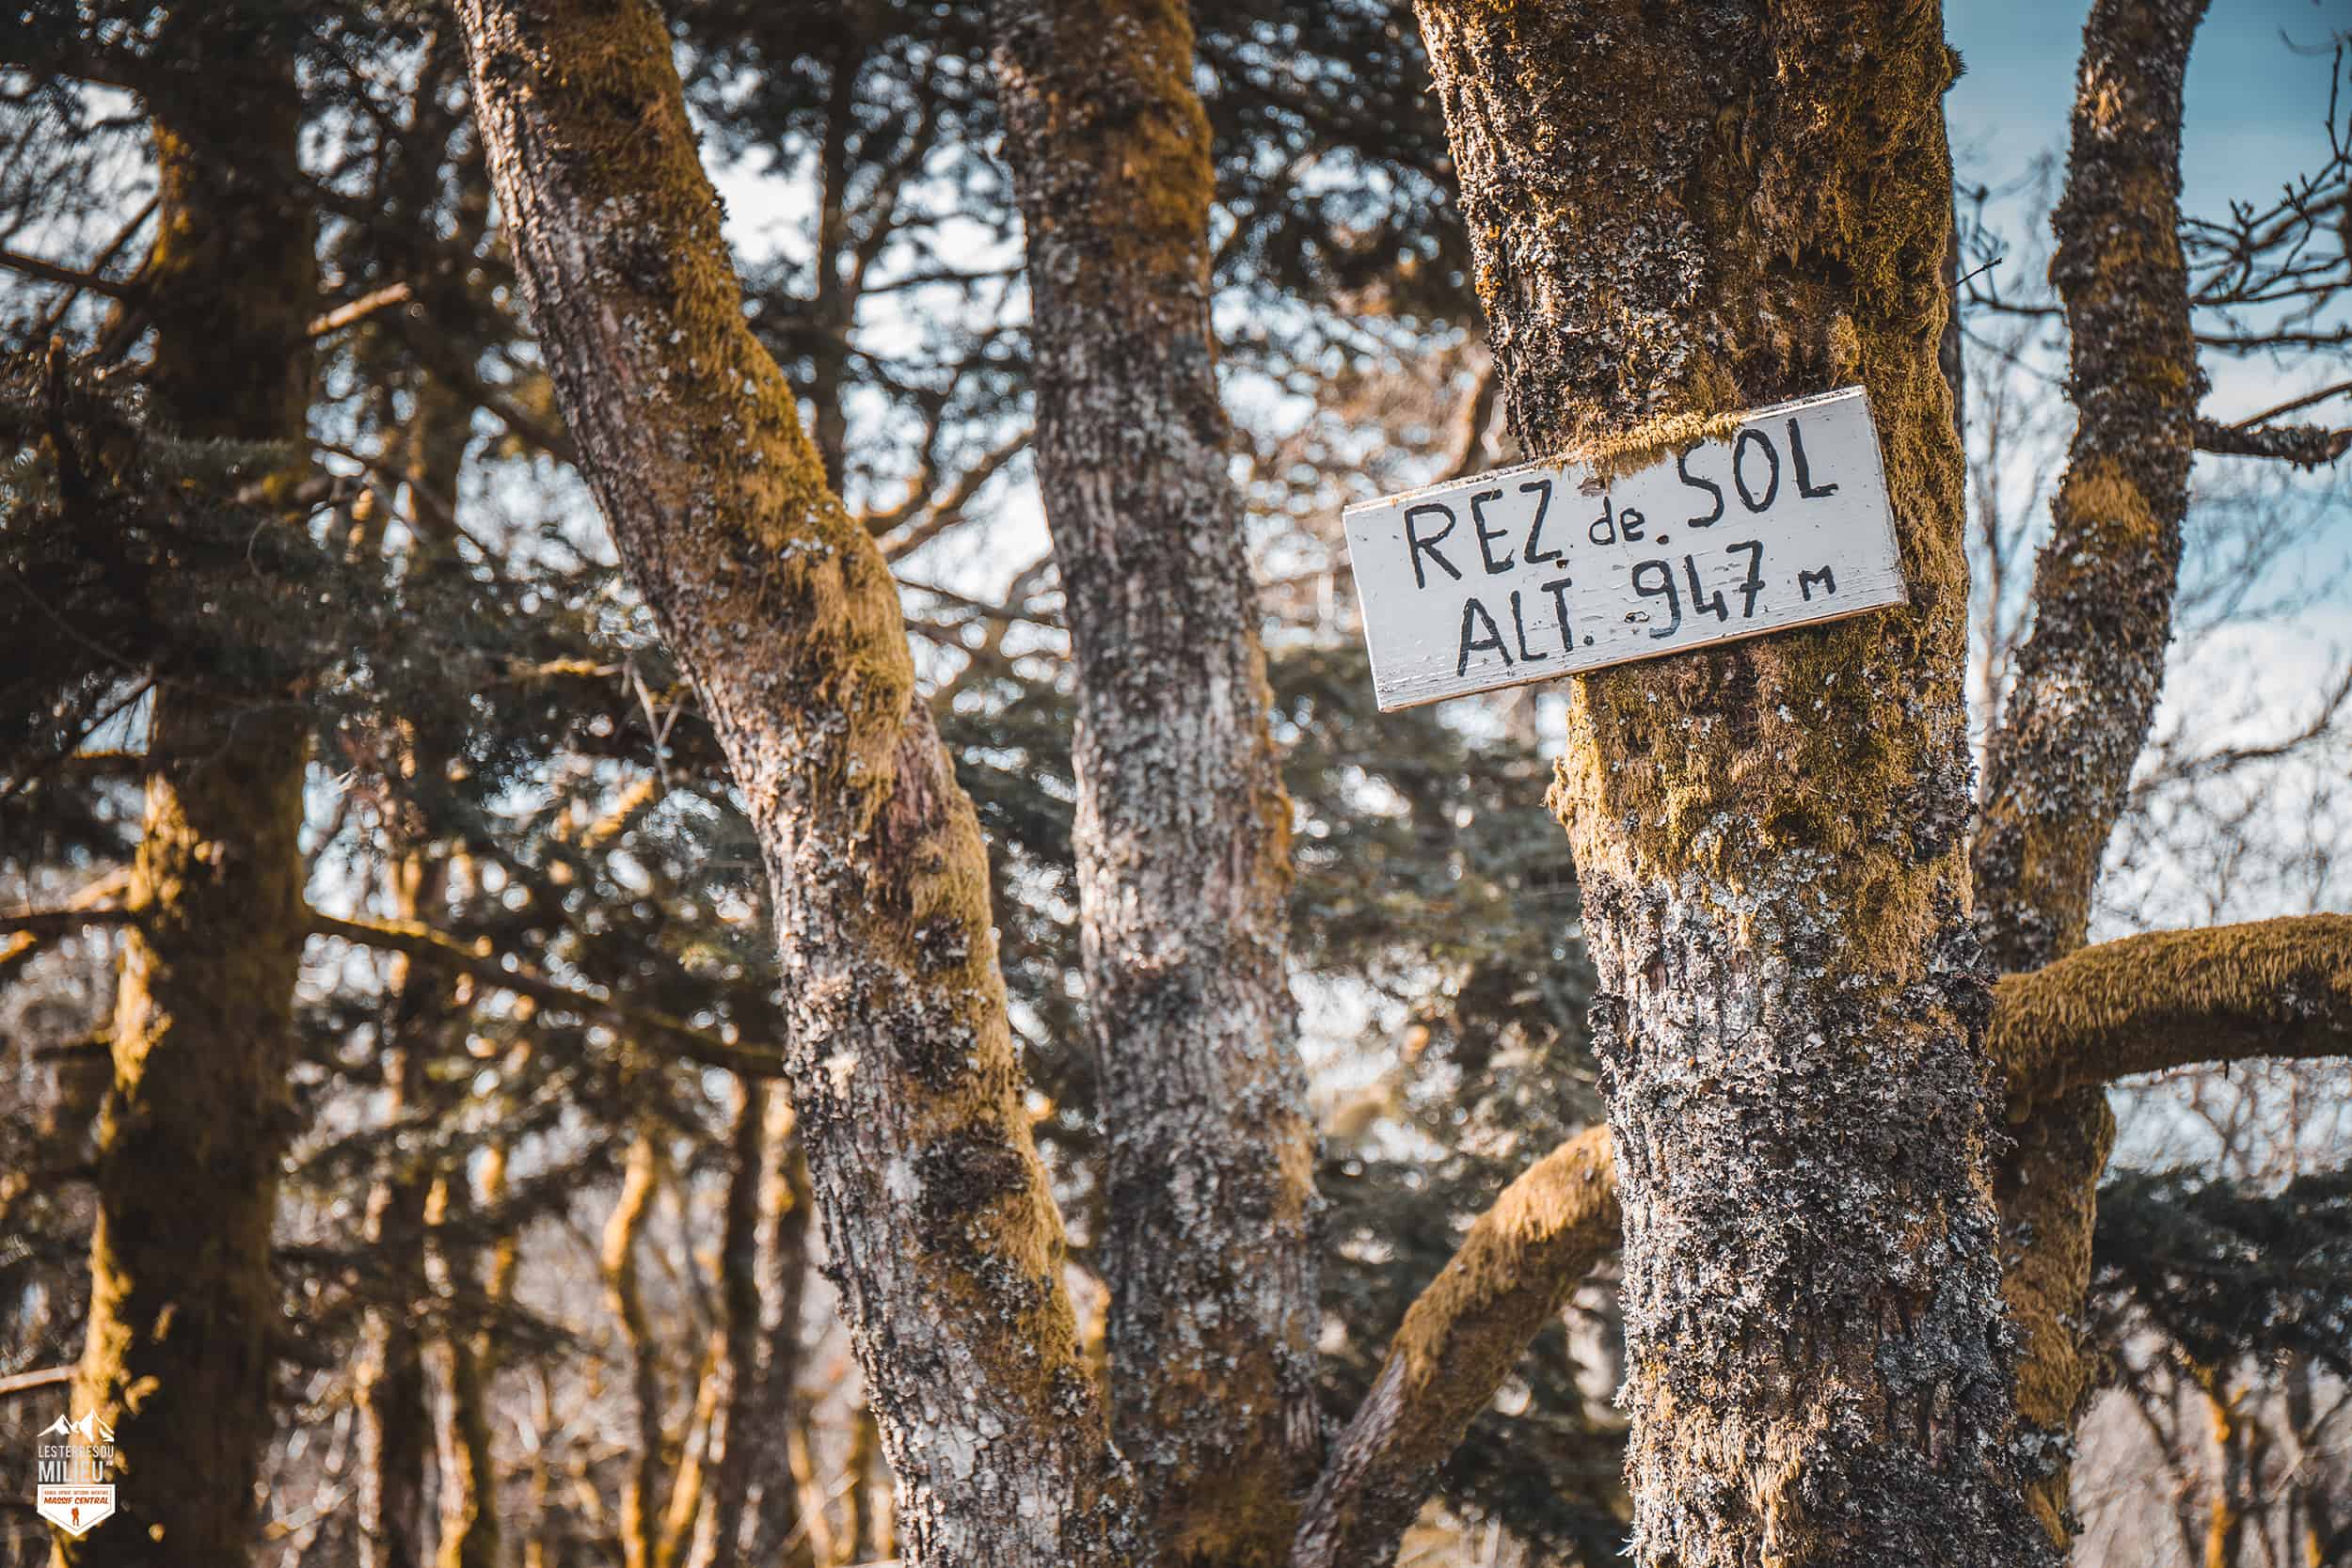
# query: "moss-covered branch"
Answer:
x=1513 y=1274
x=2269 y=988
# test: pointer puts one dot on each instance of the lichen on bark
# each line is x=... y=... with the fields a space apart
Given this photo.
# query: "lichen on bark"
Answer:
x=1684 y=211
x=2089 y=676
x=942 y=1232
x=1182 y=828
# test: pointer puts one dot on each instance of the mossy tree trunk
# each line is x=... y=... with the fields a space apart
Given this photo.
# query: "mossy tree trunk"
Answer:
x=178 y=1356
x=1679 y=211
x=2089 y=677
x=779 y=606
x=1183 y=830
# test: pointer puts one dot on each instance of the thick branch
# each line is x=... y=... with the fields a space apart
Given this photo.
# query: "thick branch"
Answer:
x=1512 y=1275
x=2270 y=988
x=2306 y=446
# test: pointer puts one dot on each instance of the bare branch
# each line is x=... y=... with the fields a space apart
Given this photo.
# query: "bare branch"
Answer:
x=452 y=366
x=2293 y=405
x=50 y=271
x=944 y=512
x=1468 y=445
x=365 y=305
x=25 y=1383
x=476 y=959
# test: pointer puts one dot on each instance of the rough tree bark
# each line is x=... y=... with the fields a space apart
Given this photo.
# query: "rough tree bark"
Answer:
x=1677 y=212
x=2089 y=676
x=1183 y=830
x=908 y=1092
x=176 y=1360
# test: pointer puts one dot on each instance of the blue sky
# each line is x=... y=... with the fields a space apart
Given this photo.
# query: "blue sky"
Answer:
x=2255 y=113
x=2252 y=104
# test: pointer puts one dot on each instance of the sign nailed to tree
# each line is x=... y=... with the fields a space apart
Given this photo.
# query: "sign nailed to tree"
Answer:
x=1540 y=571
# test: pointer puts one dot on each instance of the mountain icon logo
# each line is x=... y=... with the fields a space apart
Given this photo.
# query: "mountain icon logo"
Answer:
x=76 y=1489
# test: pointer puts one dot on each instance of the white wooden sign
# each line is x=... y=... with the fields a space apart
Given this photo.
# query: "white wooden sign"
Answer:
x=1540 y=571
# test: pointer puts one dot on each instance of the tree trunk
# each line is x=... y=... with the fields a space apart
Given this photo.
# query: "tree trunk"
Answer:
x=2089 y=677
x=642 y=1486
x=735 y=1437
x=1677 y=212
x=390 y=1384
x=778 y=605
x=468 y=1495
x=1182 y=831
x=778 y=1533
x=178 y=1360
